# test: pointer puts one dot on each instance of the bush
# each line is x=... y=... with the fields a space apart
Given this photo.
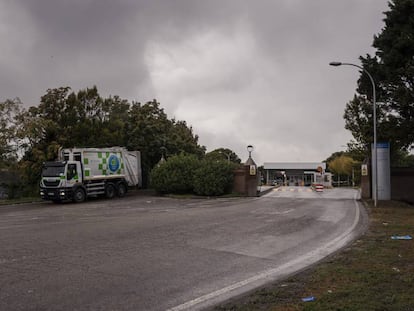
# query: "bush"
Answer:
x=186 y=174
x=213 y=178
x=175 y=175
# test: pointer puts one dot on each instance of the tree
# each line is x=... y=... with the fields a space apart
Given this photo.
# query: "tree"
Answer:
x=347 y=163
x=150 y=131
x=356 y=151
x=334 y=156
x=358 y=116
x=82 y=119
x=342 y=166
x=213 y=178
x=223 y=154
x=9 y=111
x=65 y=119
x=147 y=127
x=180 y=138
x=183 y=174
x=392 y=68
x=175 y=175
x=114 y=121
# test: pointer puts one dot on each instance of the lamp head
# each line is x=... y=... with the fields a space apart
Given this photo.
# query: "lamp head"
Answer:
x=250 y=149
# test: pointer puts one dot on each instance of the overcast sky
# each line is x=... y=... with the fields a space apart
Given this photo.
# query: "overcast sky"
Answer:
x=239 y=72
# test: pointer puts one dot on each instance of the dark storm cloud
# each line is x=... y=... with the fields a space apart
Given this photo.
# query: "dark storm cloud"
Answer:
x=211 y=63
x=80 y=43
x=106 y=23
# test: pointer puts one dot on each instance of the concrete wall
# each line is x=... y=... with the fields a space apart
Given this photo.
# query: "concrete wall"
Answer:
x=244 y=183
x=402 y=184
x=239 y=184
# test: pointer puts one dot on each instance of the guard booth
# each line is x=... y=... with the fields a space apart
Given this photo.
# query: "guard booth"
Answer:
x=297 y=174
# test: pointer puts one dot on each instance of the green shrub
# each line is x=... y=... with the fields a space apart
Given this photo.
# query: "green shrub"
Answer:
x=213 y=178
x=175 y=175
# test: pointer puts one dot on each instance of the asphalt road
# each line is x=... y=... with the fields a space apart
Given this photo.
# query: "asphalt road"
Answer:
x=150 y=253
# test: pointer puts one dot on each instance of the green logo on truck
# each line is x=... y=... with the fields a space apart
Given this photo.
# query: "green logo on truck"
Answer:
x=113 y=163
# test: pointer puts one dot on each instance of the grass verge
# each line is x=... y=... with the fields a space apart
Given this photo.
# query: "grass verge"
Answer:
x=374 y=273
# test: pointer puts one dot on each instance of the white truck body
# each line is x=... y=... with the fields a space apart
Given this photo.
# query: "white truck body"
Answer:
x=86 y=172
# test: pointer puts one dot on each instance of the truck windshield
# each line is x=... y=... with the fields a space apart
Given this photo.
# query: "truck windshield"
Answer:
x=53 y=171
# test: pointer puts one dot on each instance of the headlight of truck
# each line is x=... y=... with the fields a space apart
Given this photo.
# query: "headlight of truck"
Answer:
x=41 y=192
x=62 y=193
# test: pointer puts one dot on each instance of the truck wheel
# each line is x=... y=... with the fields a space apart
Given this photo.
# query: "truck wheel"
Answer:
x=122 y=190
x=79 y=195
x=110 y=191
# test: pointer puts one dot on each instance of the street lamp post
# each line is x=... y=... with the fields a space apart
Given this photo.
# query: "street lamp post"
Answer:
x=374 y=116
x=250 y=149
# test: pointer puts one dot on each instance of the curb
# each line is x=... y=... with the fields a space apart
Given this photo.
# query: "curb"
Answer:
x=261 y=193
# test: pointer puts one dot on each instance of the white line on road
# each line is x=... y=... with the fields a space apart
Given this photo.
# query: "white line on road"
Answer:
x=283 y=270
x=284 y=212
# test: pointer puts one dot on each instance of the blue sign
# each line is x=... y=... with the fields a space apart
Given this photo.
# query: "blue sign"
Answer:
x=383 y=145
x=113 y=163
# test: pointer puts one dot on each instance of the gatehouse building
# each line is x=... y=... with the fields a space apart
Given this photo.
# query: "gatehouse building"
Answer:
x=296 y=173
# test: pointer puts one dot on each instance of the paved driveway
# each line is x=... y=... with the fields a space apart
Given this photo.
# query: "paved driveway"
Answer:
x=148 y=253
x=307 y=192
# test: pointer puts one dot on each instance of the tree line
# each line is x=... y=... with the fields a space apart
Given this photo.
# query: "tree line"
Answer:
x=392 y=68
x=65 y=119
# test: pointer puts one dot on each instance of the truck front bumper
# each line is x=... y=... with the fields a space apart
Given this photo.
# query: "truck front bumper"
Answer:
x=56 y=194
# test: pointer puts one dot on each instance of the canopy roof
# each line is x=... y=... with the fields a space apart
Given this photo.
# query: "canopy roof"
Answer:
x=293 y=165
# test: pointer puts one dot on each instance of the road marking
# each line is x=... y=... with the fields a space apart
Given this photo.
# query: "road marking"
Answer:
x=306 y=259
x=284 y=212
x=299 y=189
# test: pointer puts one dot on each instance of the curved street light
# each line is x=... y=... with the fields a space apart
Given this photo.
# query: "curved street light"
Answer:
x=374 y=117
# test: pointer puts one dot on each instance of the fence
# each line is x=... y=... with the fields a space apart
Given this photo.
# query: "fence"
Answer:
x=402 y=184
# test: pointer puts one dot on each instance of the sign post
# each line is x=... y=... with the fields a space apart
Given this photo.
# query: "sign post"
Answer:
x=383 y=171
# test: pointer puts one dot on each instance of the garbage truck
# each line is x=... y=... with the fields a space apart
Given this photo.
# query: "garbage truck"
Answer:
x=80 y=173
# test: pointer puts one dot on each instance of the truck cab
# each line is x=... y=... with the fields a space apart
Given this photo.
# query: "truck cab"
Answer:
x=60 y=180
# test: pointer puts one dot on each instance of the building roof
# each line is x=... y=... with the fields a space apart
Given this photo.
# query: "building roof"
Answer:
x=293 y=165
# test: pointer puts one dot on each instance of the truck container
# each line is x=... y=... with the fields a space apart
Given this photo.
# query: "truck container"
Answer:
x=80 y=173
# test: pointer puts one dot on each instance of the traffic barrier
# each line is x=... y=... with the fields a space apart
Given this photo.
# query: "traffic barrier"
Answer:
x=319 y=188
